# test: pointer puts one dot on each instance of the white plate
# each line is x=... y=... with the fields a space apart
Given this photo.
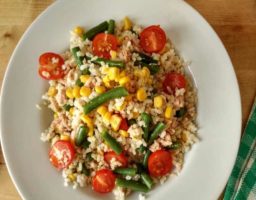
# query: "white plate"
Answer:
x=207 y=165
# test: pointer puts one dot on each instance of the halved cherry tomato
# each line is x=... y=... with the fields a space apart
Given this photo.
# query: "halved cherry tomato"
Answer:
x=173 y=81
x=160 y=163
x=103 y=43
x=152 y=39
x=50 y=66
x=103 y=181
x=124 y=125
x=61 y=154
x=120 y=158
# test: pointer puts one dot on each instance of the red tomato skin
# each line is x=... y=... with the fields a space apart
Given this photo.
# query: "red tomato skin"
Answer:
x=67 y=148
x=152 y=39
x=103 y=181
x=160 y=163
x=124 y=125
x=103 y=43
x=121 y=158
x=173 y=81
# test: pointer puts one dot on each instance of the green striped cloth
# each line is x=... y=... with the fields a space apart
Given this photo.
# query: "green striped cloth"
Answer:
x=242 y=182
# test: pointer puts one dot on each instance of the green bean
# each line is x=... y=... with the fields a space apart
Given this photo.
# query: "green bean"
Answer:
x=131 y=122
x=89 y=156
x=79 y=82
x=158 y=129
x=85 y=170
x=126 y=171
x=140 y=168
x=181 y=112
x=147 y=120
x=153 y=67
x=147 y=59
x=79 y=59
x=103 y=98
x=81 y=135
x=114 y=145
x=174 y=146
x=85 y=71
x=130 y=184
x=67 y=107
x=145 y=159
x=147 y=180
x=85 y=144
x=141 y=149
x=95 y=30
x=110 y=63
x=111 y=26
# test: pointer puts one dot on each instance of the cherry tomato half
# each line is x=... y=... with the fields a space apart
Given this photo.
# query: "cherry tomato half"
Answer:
x=103 y=43
x=124 y=125
x=160 y=163
x=120 y=158
x=61 y=154
x=152 y=39
x=103 y=181
x=50 y=66
x=173 y=81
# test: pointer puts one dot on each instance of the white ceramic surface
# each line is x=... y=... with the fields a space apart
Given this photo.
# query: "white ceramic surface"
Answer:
x=207 y=165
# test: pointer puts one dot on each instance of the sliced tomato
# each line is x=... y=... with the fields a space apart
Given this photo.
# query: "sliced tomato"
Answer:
x=120 y=158
x=103 y=181
x=152 y=39
x=103 y=43
x=160 y=163
x=173 y=81
x=51 y=66
x=124 y=125
x=61 y=154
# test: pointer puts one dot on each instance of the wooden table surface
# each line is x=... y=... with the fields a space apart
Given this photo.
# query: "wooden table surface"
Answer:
x=233 y=20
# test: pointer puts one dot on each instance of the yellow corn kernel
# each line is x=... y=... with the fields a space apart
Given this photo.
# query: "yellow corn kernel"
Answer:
x=71 y=111
x=102 y=110
x=85 y=91
x=72 y=177
x=107 y=117
x=86 y=119
x=113 y=73
x=64 y=137
x=113 y=54
x=69 y=93
x=115 y=122
x=145 y=72
x=127 y=23
x=122 y=81
x=106 y=81
x=84 y=78
x=122 y=107
x=158 y=101
x=141 y=94
x=124 y=133
x=52 y=91
x=91 y=131
x=137 y=72
x=100 y=89
x=104 y=69
x=122 y=74
x=168 y=112
x=76 y=92
x=79 y=31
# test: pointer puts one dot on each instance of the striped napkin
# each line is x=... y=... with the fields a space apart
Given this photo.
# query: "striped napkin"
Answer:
x=242 y=182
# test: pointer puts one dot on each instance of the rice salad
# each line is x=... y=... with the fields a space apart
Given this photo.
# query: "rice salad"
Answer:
x=124 y=111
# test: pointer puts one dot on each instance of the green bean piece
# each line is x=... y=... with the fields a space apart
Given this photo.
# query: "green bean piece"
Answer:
x=147 y=120
x=95 y=30
x=110 y=63
x=131 y=122
x=114 y=145
x=147 y=59
x=181 y=112
x=153 y=67
x=85 y=71
x=85 y=170
x=131 y=184
x=79 y=82
x=85 y=144
x=140 y=168
x=141 y=149
x=174 y=146
x=158 y=129
x=103 y=98
x=79 y=59
x=67 y=107
x=89 y=156
x=111 y=26
x=126 y=171
x=81 y=135
x=147 y=180
x=145 y=159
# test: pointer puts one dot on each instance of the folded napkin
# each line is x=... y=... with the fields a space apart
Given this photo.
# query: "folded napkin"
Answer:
x=242 y=182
